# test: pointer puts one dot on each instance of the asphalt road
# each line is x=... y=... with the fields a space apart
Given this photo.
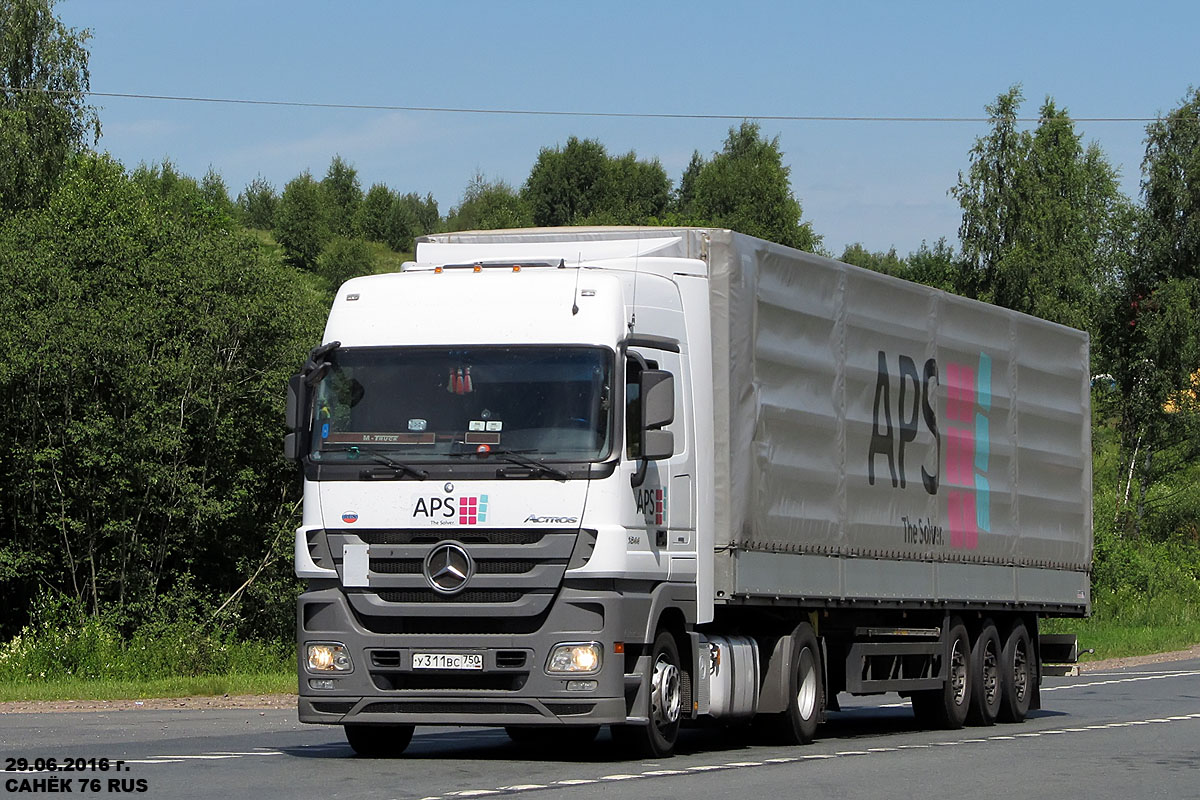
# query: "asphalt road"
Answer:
x=1132 y=733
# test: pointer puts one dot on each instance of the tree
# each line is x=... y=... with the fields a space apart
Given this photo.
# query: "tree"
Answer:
x=580 y=184
x=215 y=194
x=566 y=184
x=747 y=188
x=342 y=196
x=1154 y=338
x=1044 y=222
x=257 y=204
x=888 y=263
x=301 y=226
x=144 y=398
x=375 y=213
x=44 y=118
x=635 y=192
x=487 y=205
x=343 y=259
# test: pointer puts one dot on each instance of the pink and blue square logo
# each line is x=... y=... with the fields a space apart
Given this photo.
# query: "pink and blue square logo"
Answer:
x=472 y=510
x=968 y=451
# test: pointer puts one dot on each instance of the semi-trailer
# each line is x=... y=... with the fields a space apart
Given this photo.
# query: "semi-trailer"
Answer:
x=556 y=479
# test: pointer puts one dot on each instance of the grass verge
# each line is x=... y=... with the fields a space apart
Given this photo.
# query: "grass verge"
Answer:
x=90 y=689
x=1117 y=639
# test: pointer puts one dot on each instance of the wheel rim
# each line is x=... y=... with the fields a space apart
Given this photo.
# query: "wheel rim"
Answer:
x=1020 y=672
x=958 y=672
x=991 y=674
x=806 y=693
x=665 y=697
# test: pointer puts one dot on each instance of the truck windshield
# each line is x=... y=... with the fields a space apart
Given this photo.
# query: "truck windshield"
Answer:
x=425 y=404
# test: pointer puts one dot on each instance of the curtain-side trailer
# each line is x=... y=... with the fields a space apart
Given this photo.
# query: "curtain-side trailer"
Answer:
x=556 y=479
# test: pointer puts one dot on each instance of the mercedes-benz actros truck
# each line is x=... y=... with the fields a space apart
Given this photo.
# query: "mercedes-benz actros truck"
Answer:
x=559 y=479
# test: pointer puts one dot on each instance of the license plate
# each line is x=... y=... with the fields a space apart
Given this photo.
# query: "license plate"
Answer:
x=447 y=661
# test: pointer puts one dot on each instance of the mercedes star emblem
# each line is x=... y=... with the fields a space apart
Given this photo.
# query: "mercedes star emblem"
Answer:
x=448 y=567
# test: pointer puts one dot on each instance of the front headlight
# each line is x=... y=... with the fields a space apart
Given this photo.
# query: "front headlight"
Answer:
x=575 y=658
x=328 y=657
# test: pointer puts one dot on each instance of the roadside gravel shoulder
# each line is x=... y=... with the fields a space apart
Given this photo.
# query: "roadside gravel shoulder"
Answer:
x=276 y=701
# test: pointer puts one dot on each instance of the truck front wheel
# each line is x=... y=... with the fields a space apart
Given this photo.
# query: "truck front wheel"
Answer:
x=379 y=741
x=657 y=739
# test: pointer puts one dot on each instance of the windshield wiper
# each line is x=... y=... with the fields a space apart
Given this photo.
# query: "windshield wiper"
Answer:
x=514 y=457
x=395 y=468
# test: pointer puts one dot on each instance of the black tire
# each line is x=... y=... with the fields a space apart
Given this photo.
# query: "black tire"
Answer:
x=379 y=741
x=947 y=707
x=806 y=692
x=665 y=682
x=985 y=667
x=554 y=738
x=1017 y=674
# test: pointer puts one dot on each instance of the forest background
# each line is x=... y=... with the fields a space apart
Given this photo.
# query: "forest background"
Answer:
x=151 y=320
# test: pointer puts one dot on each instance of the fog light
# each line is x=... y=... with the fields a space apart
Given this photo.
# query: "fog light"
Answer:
x=581 y=686
x=328 y=657
x=321 y=683
x=577 y=657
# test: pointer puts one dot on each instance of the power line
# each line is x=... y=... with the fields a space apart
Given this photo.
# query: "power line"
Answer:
x=556 y=112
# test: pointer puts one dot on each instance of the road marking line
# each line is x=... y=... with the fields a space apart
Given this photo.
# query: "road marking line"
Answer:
x=618 y=777
x=706 y=768
x=656 y=773
x=576 y=782
x=199 y=757
x=744 y=764
x=524 y=787
x=787 y=760
x=1156 y=677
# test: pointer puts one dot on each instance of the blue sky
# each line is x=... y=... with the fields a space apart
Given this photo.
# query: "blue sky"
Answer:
x=882 y=184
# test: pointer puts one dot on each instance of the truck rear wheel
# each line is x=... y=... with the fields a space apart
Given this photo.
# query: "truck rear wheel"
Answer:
x=806 y=691
x=947 y=707
x=657 y=739
x=985 y=667
x=379 y=741
x=1017 y=675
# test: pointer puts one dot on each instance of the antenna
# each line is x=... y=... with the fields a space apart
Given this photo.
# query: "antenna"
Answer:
x=637 y=254
x=575 y=296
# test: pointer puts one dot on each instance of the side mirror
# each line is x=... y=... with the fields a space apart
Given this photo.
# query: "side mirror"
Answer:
x=295 y=443
x=297 y=401
x=657 y=445
x=658 y=398
x=658 y=409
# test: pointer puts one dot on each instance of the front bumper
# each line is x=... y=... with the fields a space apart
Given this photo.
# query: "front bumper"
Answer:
x=513 y=688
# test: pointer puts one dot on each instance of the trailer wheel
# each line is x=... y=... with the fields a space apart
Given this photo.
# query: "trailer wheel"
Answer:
x=947 y=707
x=657 y=739
x=1016 y=674
x=985 y=666
x=379 y=741
x=806 y=691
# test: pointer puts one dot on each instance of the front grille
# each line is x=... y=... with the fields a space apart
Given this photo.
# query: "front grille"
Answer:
x=479 y=596
x=412 y=566
x=571 y=709
x=510 y=659
x=449 y=708
x=466 y=536
x=385 y=658
x=520 y=570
